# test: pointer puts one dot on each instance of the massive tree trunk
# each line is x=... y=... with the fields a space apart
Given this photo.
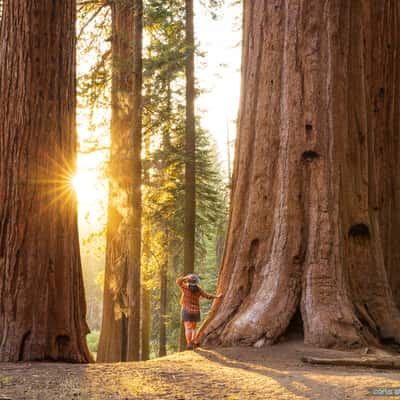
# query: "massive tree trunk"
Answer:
x=42 y=302
x=120 y=333
x=315 y=202
x=190 y=151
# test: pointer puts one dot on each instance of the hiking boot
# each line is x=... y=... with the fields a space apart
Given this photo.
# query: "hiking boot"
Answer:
x=190 y=346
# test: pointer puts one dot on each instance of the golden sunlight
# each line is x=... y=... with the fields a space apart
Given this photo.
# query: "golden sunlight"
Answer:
x=89 y=189
x=84 y=186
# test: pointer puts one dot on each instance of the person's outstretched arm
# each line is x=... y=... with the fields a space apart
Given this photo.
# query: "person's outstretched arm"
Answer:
x=209 y=296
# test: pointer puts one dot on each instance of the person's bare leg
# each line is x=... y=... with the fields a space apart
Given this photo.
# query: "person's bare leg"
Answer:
x=193 y=332
x=188 y=331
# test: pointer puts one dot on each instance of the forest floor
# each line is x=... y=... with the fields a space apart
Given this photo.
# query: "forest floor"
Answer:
x=273 y=372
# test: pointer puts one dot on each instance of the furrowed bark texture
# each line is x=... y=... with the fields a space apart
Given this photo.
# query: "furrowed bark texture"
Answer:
x=120 y=333
x=42 y=302
x=315 y=202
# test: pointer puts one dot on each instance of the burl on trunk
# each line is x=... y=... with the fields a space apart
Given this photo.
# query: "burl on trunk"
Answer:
x=315 y=208
x=42 y=302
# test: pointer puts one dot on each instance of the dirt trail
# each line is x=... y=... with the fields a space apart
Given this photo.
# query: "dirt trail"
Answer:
x=232 y=373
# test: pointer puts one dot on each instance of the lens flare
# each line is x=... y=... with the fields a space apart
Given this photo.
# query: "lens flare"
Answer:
x=84 y=184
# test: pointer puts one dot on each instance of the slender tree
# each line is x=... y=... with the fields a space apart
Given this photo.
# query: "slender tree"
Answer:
x=146 y=310
x=135 y=198
x=42 y=311
x=164 y=301
x=190 y=149
x=315 y=206
x=145 y=262
x=120 y=333
x=165 y=265
x=190 y=146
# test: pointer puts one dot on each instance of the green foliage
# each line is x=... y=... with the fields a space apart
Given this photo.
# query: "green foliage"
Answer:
x=164 y=123
x=94 y=73
x=92 y=340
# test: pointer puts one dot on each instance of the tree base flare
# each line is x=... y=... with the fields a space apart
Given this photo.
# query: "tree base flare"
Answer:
x=315 y=207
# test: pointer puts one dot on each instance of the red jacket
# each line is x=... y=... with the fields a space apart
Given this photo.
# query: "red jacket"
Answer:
x=190 y=301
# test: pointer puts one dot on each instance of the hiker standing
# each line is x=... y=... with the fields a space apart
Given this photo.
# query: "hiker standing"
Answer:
x=190 y=304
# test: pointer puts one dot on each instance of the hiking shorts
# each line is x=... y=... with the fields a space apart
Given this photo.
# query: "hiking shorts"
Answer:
x=187 y=316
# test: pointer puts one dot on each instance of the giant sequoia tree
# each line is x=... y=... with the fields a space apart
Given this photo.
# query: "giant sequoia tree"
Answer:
x=120 y=333
x=315 y=203
x=42 y=304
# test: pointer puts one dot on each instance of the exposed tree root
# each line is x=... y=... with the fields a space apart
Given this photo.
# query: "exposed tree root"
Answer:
x=370 y=362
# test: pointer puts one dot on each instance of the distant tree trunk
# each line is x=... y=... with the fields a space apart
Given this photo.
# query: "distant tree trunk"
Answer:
x=135 y=198
x=163 y=309
x=42 y=301
x=190 y=135
x=146 y=255
x=146 y=319
x=164 y=298
x=190 y=159
x=120 y=333
x=166 y=223
x=146 y=324
x=146 y=295
x=315 y=203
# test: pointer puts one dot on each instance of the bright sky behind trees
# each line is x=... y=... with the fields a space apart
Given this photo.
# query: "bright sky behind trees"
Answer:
x=219 y=70
x=218 y=75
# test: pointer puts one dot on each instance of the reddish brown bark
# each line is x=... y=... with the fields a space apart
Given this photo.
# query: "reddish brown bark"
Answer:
x=120 y=333
x=314 y=205
x=42 y=303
